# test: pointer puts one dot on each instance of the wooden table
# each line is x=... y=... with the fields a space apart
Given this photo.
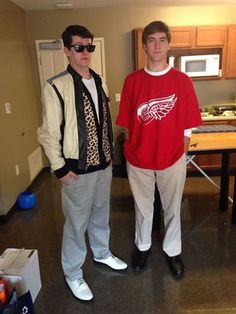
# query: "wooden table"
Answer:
x=218 y=143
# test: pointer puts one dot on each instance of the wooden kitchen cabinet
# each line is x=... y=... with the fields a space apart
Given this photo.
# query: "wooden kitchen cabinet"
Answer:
x=140 y=56
x=196 y=39
x=231 y=53
x=211 y=36
x=198 y=36
x=182 y=37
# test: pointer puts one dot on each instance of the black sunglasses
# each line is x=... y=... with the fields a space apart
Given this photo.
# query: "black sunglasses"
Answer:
x=80 y=48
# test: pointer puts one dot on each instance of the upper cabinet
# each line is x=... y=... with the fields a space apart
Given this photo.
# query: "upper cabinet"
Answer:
x=140 y=56
x=200 y=36
x=211 y=36
x=182 y=37
x=197 y=40
x=231 y=53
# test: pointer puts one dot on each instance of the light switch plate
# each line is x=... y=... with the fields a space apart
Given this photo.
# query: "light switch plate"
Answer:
x=117 y=97
x=7 y=108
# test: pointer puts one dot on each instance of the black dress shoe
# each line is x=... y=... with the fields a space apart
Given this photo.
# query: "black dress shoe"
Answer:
x=139 y=259
x=176 y=266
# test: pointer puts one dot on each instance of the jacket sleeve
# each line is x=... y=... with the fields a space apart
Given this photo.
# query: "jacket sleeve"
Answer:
x=49 y=133
x=105 y=88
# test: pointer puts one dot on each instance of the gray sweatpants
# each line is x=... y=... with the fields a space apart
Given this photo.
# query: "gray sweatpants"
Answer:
x=86 y=205
x=170 y=183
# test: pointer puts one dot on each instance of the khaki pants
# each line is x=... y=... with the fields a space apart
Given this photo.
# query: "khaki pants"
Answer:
x=86 y=206
x=170 y=183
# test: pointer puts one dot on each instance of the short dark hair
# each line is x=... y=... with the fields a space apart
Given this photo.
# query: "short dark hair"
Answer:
x=75 y=30
x=154 y=27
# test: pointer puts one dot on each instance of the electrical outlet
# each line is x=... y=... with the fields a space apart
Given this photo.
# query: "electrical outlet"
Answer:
x=7 y=108
x=17 y=170
x=117 y=97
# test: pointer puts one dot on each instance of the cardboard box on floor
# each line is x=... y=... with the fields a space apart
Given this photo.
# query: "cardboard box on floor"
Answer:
x=21 y=269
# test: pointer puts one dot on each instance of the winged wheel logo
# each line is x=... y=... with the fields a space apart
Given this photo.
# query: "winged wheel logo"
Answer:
x=155 y=109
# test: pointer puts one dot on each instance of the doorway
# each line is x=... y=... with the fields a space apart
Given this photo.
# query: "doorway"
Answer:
x=52 y=59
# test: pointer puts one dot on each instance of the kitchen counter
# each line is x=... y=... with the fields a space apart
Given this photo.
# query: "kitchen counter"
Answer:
x=217 y=118
x=213 y=162
x=226 y=111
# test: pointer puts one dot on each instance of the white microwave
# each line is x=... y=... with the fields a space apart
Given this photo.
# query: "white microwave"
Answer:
x=200 y=65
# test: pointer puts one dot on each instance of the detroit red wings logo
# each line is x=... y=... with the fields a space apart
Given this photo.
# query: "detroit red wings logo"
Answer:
x=155 y=109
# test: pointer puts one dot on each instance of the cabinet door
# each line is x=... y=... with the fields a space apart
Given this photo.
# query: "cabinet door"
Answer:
x=211 y=36
x=140 y=56
x=52 y=59
x=182 y=37
x=231 y=53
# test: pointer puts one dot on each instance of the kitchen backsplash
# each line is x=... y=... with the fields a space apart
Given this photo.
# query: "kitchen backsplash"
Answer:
x=226 y=111
x=215 y=92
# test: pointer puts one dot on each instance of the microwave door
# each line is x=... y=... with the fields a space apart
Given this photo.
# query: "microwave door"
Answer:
x=200 y=65
x=196 y=68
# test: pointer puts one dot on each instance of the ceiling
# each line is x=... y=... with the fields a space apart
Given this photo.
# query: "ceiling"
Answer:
x=29 y=5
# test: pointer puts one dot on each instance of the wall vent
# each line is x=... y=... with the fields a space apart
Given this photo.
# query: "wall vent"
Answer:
x=54 y=45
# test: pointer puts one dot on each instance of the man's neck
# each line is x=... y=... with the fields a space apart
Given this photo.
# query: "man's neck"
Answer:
x=157 y=66
x=84 y=72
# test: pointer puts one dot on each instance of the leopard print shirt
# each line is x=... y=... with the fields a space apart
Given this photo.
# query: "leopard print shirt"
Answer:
x=93 y=158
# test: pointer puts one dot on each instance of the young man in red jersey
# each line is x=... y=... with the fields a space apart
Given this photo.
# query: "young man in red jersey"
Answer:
x=158 y=109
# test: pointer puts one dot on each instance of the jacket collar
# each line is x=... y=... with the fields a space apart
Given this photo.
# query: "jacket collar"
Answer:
x=76 y=75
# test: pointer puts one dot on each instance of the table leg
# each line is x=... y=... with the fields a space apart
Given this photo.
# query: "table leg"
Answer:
x=233 y=219
x=224 y=183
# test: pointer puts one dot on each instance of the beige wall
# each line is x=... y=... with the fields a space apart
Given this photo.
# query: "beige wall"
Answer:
x=112 y=24
x=208 y=92
x=185 y=15
x=116 y=25
x=17 y=131
x=19 y=73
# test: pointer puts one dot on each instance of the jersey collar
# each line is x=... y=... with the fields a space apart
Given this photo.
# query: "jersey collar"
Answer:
x=157 y=73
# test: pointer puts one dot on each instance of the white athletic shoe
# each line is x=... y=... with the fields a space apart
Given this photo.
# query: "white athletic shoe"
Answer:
x=113 y=262
x=80 y=289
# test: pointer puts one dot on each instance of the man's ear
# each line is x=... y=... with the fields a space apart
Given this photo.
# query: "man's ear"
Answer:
x=67 y=51
x=144 y=48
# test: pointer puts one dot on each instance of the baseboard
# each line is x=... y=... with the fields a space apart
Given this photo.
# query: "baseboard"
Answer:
x=5 y=218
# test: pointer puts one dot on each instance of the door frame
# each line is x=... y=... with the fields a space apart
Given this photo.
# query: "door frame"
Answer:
x=97 y=41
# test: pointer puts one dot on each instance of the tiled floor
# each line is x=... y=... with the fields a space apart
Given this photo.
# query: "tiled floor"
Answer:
x=209 y=253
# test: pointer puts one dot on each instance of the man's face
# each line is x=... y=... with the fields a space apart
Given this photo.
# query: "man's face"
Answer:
x=79 y=60
x=156 y=47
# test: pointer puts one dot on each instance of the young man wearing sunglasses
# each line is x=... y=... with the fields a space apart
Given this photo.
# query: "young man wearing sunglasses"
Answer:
x=76 y=134
x=158 y=109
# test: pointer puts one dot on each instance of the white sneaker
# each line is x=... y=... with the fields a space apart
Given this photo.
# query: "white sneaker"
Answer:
x=113 y=262
x=80 y=289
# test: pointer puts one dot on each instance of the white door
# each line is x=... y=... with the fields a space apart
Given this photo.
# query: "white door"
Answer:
x=52 y=59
